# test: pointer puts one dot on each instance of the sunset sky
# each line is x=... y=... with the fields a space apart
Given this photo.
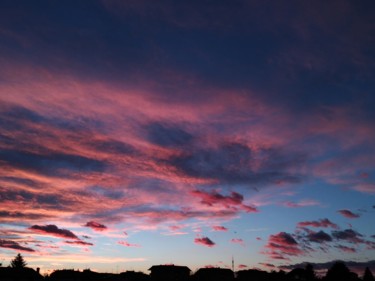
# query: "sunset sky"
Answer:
x=135 y=133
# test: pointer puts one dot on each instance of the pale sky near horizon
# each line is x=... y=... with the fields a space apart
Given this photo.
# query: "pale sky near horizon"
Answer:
x=136 y=133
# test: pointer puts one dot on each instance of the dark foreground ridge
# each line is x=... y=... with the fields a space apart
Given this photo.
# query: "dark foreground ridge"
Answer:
x=338 y=272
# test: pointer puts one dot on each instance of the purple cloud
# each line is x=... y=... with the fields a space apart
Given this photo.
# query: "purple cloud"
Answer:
x=54 y=231
x=348 y=235
x=238 y=241
x=96 y=226
x=319 y=237
x=9 y=244
x=205 y=241
x=348 y=214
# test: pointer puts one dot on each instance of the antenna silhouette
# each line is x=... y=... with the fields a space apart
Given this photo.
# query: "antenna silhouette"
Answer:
x=232 y=264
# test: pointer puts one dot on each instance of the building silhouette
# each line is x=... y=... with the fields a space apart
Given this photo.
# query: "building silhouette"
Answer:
x=252 y=274
x=169 y=273
x=19 y=274
x=214 y=274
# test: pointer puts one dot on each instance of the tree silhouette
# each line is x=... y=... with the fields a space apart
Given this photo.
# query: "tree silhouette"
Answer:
x=368 y=275
x=338 y=271
x=310 y=274
x=18 y=262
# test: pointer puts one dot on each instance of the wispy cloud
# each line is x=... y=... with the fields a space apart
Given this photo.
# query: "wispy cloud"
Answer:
x=238 y=241
x=320 y=223
x=219 y=228
x=79 y=243
x=232 y=201
x=346 y=249
x=127 y=244
x=365 y=187
x=302 y=203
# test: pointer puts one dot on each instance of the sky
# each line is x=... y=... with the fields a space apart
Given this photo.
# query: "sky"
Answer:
x=137 y=133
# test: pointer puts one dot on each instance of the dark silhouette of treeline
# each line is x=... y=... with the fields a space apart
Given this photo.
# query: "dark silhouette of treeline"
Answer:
x=338 y=272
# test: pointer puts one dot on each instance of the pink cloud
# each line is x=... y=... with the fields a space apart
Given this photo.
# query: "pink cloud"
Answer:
x=320 y=223
x=348 y=214
x=175 y=227
x=238 y=241
x=303 y=203
x=93 y=144
x=205 y=241
x=365 y=188
x=281 y=245
x=232 y=201
x=156 y=216
x=113 y=107
x=127 y=244
x=219 y=228
x=96 y=226
x=242 y=266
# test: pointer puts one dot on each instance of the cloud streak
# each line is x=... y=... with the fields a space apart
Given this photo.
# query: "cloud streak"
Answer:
x=9 y=244
x=127 y=244
x=79 y=243
x=325 y=223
